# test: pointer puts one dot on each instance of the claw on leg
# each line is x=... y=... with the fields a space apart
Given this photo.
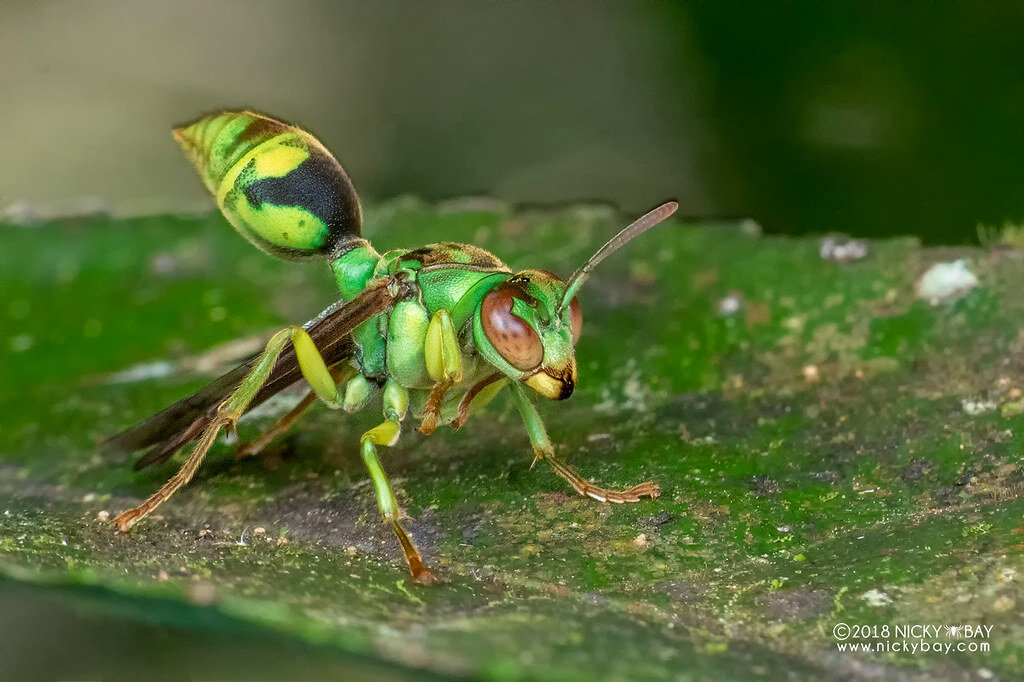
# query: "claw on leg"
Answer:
x=420 y=573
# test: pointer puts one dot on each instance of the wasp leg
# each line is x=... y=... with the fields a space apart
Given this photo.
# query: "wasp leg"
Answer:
x=432 y=409
x=478 y=397
x=396 y=401
x=256 y=445
x=358 y=392
x=229 y=411
x=543 y=449
x=444 y=365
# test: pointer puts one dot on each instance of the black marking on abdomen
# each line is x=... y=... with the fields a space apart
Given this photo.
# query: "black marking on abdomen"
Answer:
x=319 y=185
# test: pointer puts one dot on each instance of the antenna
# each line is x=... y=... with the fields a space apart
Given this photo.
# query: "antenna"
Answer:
x=634 y=230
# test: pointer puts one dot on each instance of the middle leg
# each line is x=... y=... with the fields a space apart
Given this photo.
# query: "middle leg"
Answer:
x=396 y=402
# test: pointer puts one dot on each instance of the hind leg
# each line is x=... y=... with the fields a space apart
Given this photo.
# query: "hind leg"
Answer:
x=256 y=445
x=313 y=369
x=281 y=426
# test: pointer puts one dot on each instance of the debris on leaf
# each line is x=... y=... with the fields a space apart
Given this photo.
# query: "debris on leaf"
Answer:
x=843 y=249
x=811 y=374
x=975 y=408
x=876 y=597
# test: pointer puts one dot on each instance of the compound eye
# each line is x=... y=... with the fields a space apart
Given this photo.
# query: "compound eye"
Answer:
x=575 y=320
x=511 y=336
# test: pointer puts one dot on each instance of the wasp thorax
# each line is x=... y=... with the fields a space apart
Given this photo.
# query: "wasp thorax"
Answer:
x=515 y=340
x=276 y=184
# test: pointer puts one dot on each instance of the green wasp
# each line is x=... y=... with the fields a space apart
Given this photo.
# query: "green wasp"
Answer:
x=437 y=331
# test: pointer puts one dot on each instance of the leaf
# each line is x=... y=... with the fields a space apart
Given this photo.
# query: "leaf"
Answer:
x=814 y=427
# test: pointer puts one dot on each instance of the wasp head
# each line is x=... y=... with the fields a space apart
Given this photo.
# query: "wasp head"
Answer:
x=522 y=329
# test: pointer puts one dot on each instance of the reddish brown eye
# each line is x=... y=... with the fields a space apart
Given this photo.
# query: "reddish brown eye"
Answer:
x=514 y=340
x=575 y=320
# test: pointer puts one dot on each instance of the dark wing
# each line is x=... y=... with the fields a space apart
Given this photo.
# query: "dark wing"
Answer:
x=173 y=427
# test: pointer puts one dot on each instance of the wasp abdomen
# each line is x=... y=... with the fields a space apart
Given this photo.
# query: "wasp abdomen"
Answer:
x=276 y=184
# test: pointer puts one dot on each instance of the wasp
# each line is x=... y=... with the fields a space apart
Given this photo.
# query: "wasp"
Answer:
x=434 y=332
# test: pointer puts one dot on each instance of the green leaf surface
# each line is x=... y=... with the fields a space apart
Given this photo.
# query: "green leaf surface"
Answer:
x=834 y=451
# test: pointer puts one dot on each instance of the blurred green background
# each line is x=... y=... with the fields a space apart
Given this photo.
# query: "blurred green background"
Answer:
x=868 y=118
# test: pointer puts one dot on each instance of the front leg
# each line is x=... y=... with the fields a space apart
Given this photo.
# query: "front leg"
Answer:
x=444 y=365
x=543 y=449
x=478 y=397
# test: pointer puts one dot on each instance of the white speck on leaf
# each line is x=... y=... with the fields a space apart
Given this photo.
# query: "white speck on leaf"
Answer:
x=21 y=343
x=729 y=305
x=974 y=408
x=946 y=282
x=876 y=597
